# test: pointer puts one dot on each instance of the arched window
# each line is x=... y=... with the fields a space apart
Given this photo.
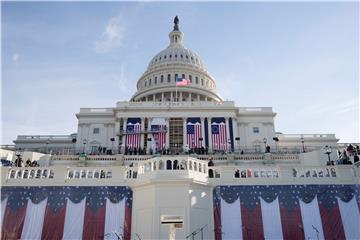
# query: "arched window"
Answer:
x=150 y=82
x=162 y=78
x=202 y=82
x=175 y=55
x=155 y=81
x=168 y=165
x=196 y=80
x=175 y=165
x=183 y=76
x=165 y=57
x=170 y=56
x=176 y=76
x=169 y=78
x=190 y=78
x=145 y=83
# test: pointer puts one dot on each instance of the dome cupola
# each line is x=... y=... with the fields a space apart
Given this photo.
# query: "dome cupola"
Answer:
x=158 y=82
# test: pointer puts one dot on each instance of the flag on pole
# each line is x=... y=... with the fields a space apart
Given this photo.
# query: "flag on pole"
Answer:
x=182 y=82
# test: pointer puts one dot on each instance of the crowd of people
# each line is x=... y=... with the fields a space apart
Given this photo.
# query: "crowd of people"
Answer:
x=345 y=154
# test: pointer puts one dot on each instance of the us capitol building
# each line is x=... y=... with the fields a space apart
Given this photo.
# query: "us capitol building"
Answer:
x=176 y=161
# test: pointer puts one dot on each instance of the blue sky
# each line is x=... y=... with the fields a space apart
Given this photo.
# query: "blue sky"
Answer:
x=302 y=59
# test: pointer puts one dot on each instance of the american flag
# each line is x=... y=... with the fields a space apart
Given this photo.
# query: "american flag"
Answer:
x=287 y=212
x=66 y=212
x=159 y=135
x=133 y=128
x=218 y=134
x=193 y=132
x=182 y=82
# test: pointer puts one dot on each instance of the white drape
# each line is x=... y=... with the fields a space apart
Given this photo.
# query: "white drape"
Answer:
x=114 y=219
x=231 y=225
x=311 y=219
x=350 y=218
x=3 y=207
x=34 y=220
x=271 y=219
x=74 y=219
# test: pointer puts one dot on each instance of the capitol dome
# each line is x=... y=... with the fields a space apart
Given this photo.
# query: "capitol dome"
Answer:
x=158 y=82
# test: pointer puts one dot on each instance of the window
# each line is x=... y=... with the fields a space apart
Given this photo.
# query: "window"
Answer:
x=176 y=76
x=183 y=76
x=196 y=80
x=165 y=57
x=169 y=77
x=96 y=130
x=256 y=130
x=175 y=55
x=190 y=78
x=202 y=82
x=150 y=82
x=257 y=148
x=155 y=81
x=170 y=56
x=145 y=83
x=162 y=78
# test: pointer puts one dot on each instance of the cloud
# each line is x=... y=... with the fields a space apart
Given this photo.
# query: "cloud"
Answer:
x=111 y=37
x=15 y=57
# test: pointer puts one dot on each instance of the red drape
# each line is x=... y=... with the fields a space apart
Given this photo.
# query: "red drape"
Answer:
x=94 y=223
x=217 y=222
x=291 y=222
x=53 y=227
x=127 y=223
x=13 y=223
x=252 y=222
x=331 y=222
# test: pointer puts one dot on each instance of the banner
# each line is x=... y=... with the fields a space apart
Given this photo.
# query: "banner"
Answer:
x=218 y=134
x=133 y=130
x=287 y=212
x=158 y=129
x=66 y=212
x=193 y=133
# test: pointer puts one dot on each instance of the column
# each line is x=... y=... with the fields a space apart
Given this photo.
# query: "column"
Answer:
x=124 y=136
x=149 y=145
x=184 y=131
x=228 y=146
x=162 y=97
x=171 y=97
x=116 y=132
x=167 y=121
x=181 y=96
x=198 y=97
x=189 y=97
x=203 y=131
x=236 y=134
x=142 y=132
x=210 y=134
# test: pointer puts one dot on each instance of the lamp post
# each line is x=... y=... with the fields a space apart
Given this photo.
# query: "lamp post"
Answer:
x=302 y=142
x=265 y=141
x=327 y=150
x=229 y=145
x=18 y=159
x=276 y=139
x=47 y=145
x=74 y=142
x=84 y=142
x=237 y=139
x=112 y=144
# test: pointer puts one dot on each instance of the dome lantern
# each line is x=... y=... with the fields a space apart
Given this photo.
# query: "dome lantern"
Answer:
x=176 y=36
